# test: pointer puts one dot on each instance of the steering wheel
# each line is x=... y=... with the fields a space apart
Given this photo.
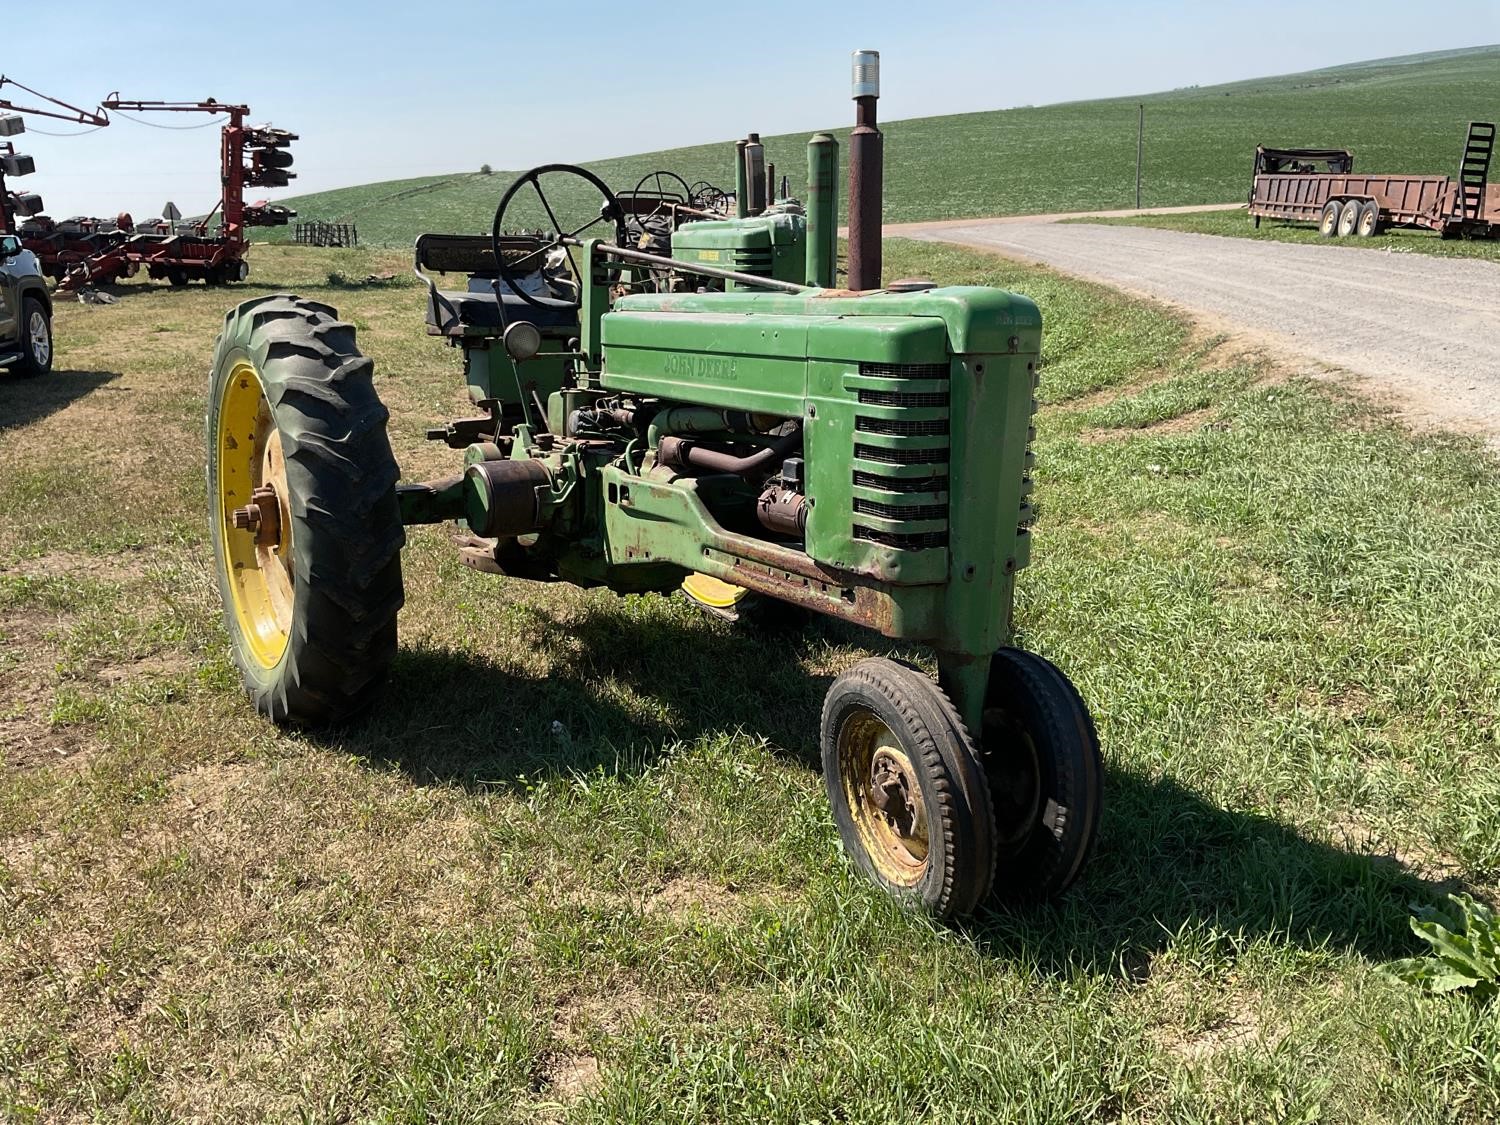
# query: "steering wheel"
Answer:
x=704 y=196
x=660 y=179
x=656 y=178
x=511 y=272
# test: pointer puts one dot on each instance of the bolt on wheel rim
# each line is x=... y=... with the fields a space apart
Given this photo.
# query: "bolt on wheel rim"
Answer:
x=255 y=523
x=885 y=798
x=41 y=339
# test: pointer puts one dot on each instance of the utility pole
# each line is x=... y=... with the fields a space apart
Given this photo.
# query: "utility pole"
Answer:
x=1140 y=145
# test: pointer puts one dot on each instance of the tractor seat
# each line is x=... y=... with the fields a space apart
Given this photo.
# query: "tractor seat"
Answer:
x=476 y=311
x=450 y=312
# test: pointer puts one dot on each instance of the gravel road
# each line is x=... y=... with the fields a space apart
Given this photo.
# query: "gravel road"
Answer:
x=1424 y=332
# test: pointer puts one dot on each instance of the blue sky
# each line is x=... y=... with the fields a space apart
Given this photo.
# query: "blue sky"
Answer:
x=386 y=90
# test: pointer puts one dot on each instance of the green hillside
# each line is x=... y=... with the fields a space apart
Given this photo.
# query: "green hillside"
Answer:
x=1402 y=114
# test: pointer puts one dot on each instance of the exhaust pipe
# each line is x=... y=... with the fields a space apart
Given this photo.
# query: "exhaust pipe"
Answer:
x=866 y=174
x=755 y=174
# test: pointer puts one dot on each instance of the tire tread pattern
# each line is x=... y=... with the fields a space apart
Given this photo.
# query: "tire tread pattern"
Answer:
x=347 y=526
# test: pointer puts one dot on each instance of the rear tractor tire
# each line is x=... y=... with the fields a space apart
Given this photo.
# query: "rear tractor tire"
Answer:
x=306 y=529
x=907 y=789
x=1328 y=220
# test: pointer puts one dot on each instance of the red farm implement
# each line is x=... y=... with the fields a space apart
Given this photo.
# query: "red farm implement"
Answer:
x=58 y=246
x=250 y=156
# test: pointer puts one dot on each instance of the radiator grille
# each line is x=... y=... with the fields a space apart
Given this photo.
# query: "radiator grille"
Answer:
x=914 y=541
x=903 y=398
x=901 y=511
x=902 y=428
x=901 y=456
x=905 y=528
x=905 y=370
x=901 y=484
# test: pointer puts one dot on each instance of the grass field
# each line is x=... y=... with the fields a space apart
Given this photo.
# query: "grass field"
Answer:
x=1236 y=224
x=1284 y=610
x=1399 y=115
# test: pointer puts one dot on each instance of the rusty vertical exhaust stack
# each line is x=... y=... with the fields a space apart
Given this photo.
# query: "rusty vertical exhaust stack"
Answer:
x=866 y=175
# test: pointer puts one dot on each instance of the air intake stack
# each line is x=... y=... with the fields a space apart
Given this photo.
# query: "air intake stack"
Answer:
x=822 y=211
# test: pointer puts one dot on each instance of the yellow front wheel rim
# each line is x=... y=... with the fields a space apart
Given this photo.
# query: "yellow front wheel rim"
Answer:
x=884 y=792
x=258 y=565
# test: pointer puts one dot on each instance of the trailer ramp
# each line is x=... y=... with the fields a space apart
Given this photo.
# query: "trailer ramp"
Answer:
x=1474 y=169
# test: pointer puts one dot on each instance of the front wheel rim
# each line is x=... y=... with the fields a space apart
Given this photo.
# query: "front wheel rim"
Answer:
x=258 y=564
x=41 y=339
x=886 y=802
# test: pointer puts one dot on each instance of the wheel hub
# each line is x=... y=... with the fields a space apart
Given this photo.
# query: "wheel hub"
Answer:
x=261 y=517
x=41 y=339
x=892 y=787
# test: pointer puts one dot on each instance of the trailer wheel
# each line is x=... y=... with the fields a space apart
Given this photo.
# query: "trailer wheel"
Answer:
x=1369 y=219
x=303 y=515
x=1328 y=222
x=1349 y=218
x=907 y=790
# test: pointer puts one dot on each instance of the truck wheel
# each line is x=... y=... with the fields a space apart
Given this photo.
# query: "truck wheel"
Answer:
x=1328 y=222
x=1041 y=756
x=306 y=530
x=1349 y=218
x=36 y=339
x=906 y=787
x=1369 y=219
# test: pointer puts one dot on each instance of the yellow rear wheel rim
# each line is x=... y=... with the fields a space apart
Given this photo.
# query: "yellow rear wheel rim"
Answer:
x=259 y=575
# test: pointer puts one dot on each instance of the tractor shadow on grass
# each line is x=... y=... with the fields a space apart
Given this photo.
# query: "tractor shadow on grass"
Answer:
x=25 y=399
x=626 y=685
x=1172 y=870
x=623 y=689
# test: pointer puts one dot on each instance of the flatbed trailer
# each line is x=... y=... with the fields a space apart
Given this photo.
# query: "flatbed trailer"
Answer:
x=1320 y=186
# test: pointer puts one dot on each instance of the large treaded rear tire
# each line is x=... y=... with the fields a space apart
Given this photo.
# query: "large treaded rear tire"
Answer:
x=345 y=525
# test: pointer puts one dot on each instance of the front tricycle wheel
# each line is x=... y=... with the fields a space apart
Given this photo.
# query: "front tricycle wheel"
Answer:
x=303 y=515
x=1041 y=755
x=907 y=790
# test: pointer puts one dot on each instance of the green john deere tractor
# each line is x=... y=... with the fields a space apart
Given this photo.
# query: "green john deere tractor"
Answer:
x=717 y=412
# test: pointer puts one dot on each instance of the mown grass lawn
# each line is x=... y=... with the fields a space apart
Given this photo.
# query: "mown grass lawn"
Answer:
x=578 y=865
x=1237 y=224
